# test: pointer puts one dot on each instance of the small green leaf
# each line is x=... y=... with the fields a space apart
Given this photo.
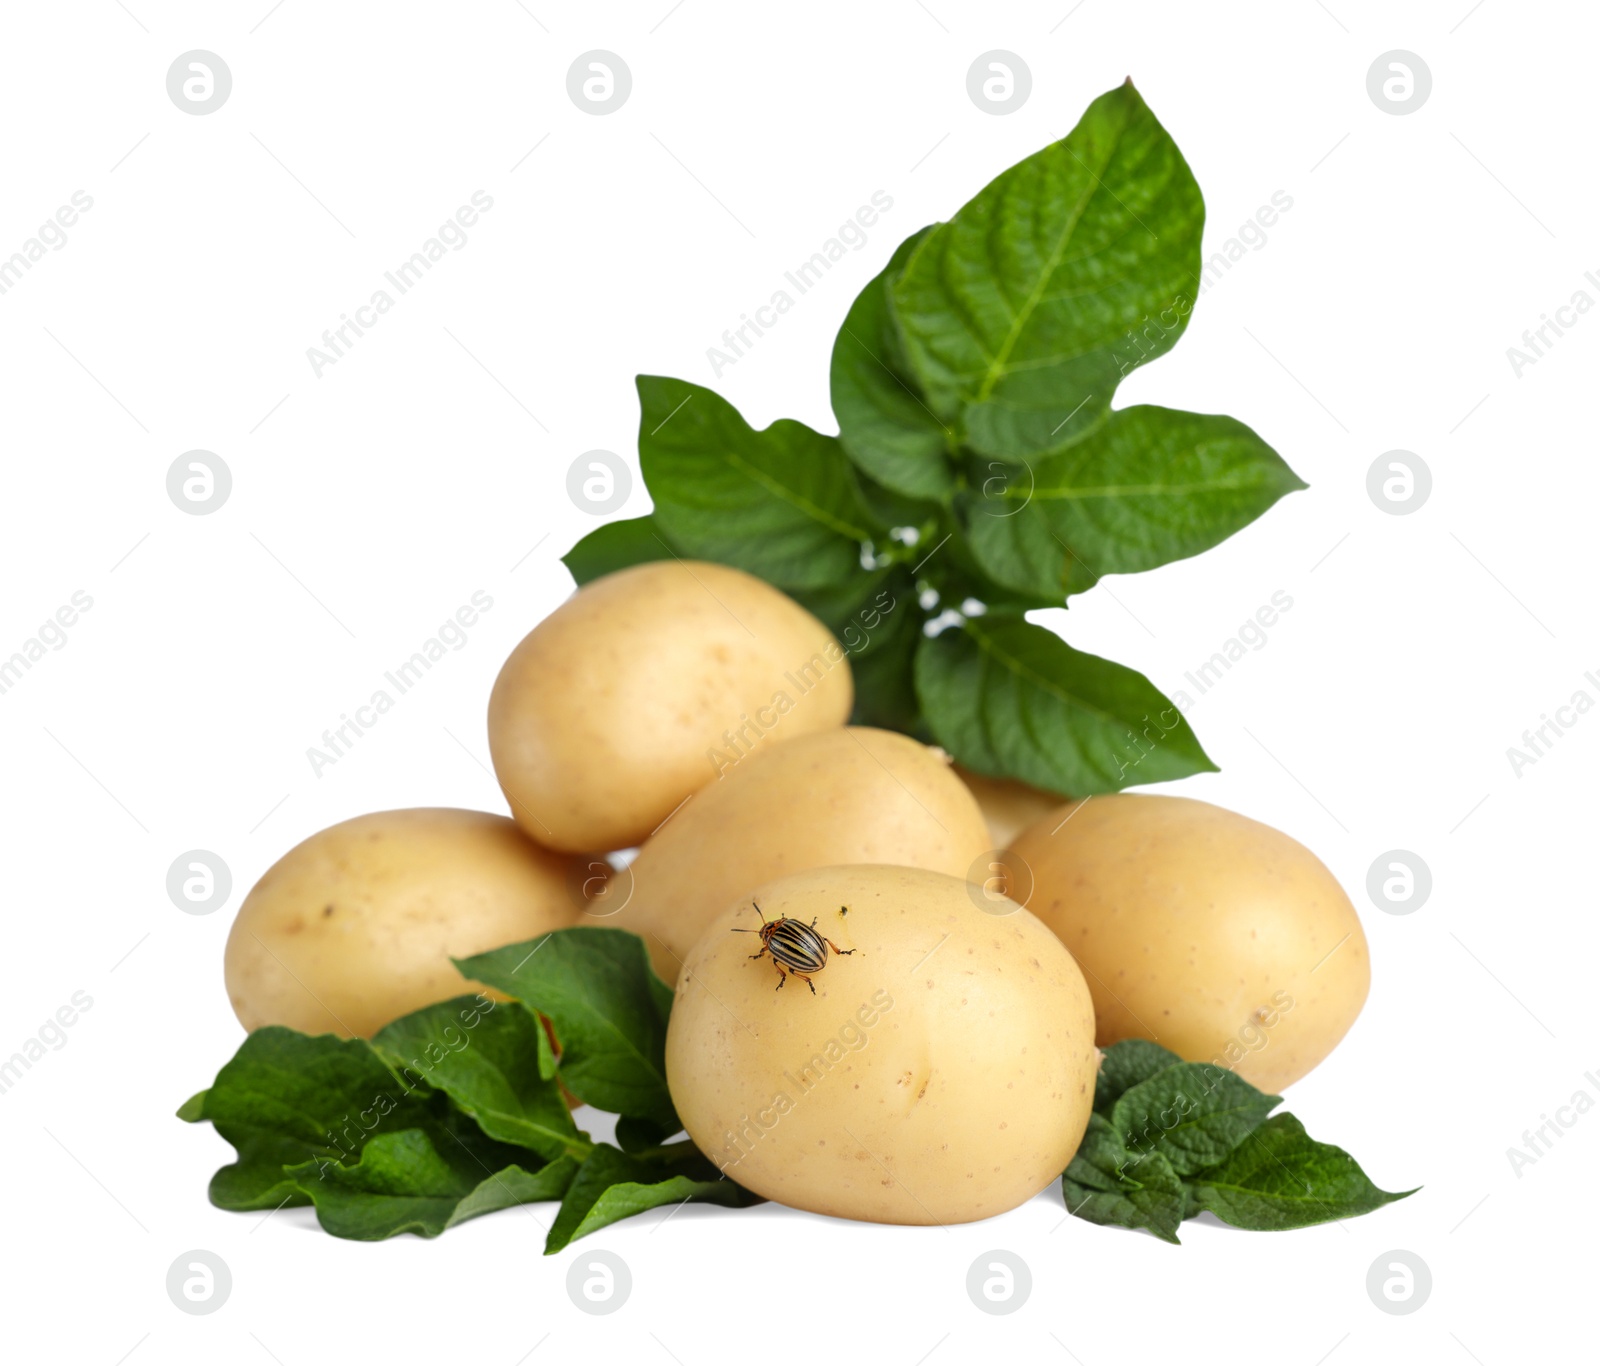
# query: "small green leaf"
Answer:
x=1193 y=1114
x=608 y=1008
x=611 y=1185
x=885 y=425
x=1148 y=486
x=1022 y=314
x=1106 y=1184
x=1280 y=1177
x=403 y=1183
x=486 y=1057
x=1010 y=698
x=781 y=503
x=617 y=545
x=1124 y=1065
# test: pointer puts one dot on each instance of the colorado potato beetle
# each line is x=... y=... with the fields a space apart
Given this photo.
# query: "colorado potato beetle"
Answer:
x=795 y=947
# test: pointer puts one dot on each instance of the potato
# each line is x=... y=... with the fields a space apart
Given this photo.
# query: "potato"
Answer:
x=856 y=795
x=356 y=926
x=1009 y=807
x=943 y=1072
x=1209 y=933
x=648 y=684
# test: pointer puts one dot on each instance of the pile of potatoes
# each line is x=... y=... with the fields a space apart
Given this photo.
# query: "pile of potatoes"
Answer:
x=939 y=1066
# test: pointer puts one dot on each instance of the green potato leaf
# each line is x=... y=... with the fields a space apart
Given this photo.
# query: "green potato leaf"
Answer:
x=1148 y=486
x=637 y=1136
x=1124 y=1065
x=885 y=425
x=608 y=1008
x=878 y=622
x=287 y=1098
x=1021 y=315
x=858 y=609
x=404 y=1183
x=1106 y=1184
x=613 y=1185
x=617 y=545
x=1193 y=1114
x=885 y=674
x=1280 y=1177
x=781 y=503
x=1010 y=698
x=491 y=1060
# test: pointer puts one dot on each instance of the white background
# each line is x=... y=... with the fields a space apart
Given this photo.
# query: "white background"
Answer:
x=429 y=462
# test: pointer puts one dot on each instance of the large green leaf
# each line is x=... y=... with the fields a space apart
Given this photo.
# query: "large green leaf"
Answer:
x=1280 y=1177
x=1193 y=1114
x=885 y=425
x=608 y=1008
x=781 y=503
x=404 y=1183
x=487 y=1058
x=1007 y=697
x=290 y=1098
x=1148 y=486
x=1022 y=314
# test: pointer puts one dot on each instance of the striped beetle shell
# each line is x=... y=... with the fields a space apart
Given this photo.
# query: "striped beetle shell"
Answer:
x=796 y=945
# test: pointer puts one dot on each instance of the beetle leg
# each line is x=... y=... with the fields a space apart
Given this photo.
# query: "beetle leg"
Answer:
x=806 y=980
x=762 y=950
x=782 y=975
x=834 y=946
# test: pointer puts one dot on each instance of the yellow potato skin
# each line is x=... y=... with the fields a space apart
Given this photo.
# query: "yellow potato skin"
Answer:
x=943 y=1072
x=1008 y=806
x=1212 y=934
x=356 y=925
x=635 y=691
x=856 y=795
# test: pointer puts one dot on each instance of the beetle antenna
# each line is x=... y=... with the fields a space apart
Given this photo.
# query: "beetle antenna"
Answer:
x=737 y=930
